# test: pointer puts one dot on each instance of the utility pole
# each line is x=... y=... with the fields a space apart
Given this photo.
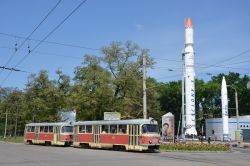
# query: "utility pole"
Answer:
x=6 y=122
x=237 y=109
x=144 y=87
x=237 y=114
x=17 y=114
x=236 y=105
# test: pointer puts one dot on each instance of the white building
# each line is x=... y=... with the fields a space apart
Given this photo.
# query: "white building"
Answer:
x=214 y=127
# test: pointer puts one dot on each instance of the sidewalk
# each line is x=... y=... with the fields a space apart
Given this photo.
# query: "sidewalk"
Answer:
x=245 y=145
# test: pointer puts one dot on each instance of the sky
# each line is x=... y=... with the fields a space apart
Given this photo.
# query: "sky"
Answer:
x=221 y=35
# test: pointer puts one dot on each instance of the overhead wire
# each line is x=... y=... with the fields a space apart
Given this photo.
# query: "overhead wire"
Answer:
x=13 y=69
x=153 y=68
x=171 y=76
x=229 y=59
x=49 y=34
x=51 y=42
x=46 y=53
x=205 y=66
x=27 y=38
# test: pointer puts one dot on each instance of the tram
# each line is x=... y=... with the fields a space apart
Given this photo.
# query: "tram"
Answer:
x=131 y=135
x=60 y=133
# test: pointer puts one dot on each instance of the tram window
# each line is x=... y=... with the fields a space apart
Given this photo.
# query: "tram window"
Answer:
x=113 y=129
x=28 y=129
x=51 y=129
x=46 y=128
x=42 y=129
x=144 y=129
x=82 y=129
x=122 y=129
x=88 y=128
x=105 y=128
x=67 y=129
x=150 y=128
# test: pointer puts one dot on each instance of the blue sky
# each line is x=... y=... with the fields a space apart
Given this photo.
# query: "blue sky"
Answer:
x=221 y=31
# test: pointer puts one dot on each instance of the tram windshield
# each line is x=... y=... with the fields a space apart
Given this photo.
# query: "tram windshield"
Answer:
x=67 y=129
x=150 y=128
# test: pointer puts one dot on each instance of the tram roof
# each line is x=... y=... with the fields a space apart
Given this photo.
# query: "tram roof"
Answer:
x=50 y=124
x=110 y=122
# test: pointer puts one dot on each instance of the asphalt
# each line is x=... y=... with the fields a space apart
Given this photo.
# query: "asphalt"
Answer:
x=33 y=155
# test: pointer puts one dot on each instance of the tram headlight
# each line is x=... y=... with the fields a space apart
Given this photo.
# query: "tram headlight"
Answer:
x=150 y=142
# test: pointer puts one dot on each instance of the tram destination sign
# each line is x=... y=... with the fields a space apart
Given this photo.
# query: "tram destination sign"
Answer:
x=112 y=116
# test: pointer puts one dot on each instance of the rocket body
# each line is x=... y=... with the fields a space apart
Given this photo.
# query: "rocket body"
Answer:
x=189 y=78
x=224 y=107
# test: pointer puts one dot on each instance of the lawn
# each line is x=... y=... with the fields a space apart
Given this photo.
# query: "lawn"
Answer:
x=18 y=139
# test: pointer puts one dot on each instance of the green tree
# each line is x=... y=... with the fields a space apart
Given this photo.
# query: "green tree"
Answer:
x=238 y=82
x=170 y=98
x=125 y=64
x=42 y=99
x=92 y=91
x=13 y=104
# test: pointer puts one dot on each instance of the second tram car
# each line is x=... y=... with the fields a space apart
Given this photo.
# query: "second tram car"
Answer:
x=134 y=134
x=60 y=133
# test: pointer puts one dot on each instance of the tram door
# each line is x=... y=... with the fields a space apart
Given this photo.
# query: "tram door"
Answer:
x=75 y=132
x=37 y=128
x=134 y=131
x=57 y=133
x=96 y=134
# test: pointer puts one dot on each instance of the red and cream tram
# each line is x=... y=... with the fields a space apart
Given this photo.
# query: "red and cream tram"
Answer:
x=49 y=133
x=135 y=134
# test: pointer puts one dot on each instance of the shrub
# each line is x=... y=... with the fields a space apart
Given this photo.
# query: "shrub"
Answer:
x=195 y=147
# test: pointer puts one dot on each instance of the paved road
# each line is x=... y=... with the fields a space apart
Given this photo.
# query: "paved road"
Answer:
x=33 y=155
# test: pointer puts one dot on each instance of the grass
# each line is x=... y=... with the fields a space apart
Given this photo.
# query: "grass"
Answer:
x=195 y=147
x=18 y=139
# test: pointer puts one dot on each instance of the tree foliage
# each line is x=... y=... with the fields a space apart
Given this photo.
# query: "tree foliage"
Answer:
x=113 y=83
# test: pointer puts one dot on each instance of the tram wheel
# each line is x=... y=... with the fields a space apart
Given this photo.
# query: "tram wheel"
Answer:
x=84 y=145
x=119 y=148
x=29 y=142
x=47 y=143
x=116 y=148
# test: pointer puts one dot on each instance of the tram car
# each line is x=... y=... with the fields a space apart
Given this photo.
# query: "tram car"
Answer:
x=60 y=133
x=131 y=135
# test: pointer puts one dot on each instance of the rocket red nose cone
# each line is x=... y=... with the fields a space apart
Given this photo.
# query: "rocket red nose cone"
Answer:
x=189 y=22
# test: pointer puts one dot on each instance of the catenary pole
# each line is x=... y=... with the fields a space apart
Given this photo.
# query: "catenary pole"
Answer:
x=6 y=122
x=144 y=88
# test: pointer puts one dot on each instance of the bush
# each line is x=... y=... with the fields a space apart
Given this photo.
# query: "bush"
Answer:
x=195 y=147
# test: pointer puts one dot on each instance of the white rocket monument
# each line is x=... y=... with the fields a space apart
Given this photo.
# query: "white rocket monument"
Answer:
x=189 y=81
x=224 y=108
